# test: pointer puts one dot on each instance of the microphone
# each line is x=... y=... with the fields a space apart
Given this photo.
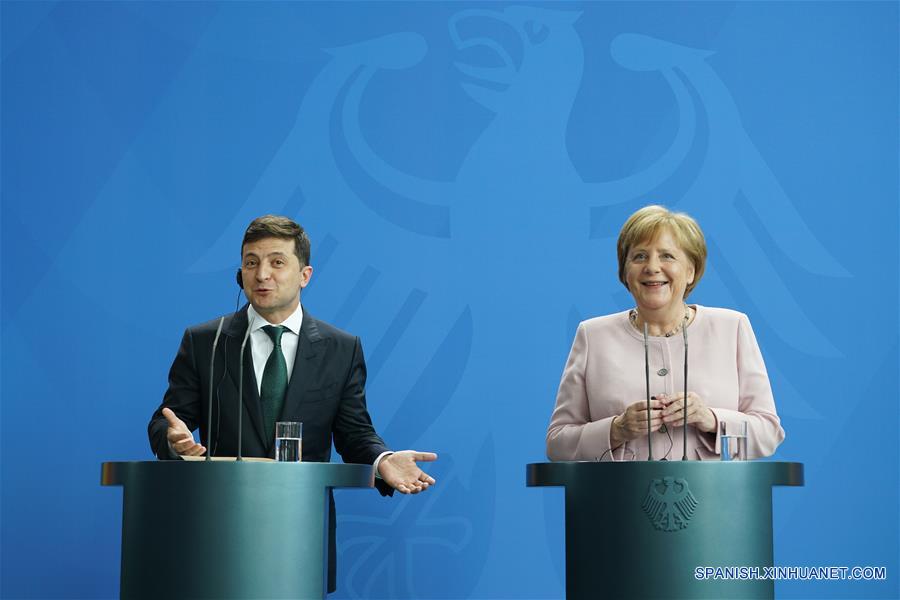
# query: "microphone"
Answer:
x=240 y=407
x=647 y=379
x=684 y=428
x=212 y=380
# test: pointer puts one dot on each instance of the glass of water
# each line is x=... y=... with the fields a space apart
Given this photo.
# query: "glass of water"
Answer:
x=733 y=440
x=288 y=441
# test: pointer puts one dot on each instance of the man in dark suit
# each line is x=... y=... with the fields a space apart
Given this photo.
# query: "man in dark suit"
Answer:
x=296 y=368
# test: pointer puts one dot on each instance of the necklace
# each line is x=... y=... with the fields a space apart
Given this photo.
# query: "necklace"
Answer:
x=633 y=315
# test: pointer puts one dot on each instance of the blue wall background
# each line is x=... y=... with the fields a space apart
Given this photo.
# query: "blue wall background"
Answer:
x=463 y=170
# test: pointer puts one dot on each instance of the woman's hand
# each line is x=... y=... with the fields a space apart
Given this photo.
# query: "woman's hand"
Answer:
x=698 y=414
x=633 y=422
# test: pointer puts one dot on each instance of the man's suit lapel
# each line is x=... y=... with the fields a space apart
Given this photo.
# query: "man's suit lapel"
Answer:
x=305 y=363
x=235 y=332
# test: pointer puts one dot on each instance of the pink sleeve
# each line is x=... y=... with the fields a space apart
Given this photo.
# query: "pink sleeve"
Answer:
x=571 y=434
x=756 y=405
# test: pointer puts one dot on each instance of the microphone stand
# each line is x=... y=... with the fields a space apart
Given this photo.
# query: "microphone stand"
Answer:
x=240 y=407
x=684 y=428
x=212 y=380
x=647 y=379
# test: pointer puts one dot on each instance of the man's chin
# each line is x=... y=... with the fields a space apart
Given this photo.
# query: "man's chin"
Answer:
x=261 y=306
x=264 y=301
x=270 y=308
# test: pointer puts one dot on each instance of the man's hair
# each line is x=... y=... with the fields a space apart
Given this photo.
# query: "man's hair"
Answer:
x=270 y=226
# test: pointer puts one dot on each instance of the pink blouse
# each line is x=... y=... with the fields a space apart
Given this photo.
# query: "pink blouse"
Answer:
x=605 y=373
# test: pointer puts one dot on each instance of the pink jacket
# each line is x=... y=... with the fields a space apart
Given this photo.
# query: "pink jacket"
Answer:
x=605 y=373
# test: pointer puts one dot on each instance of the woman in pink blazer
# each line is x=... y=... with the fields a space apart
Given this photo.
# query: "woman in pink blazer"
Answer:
x=601 y=407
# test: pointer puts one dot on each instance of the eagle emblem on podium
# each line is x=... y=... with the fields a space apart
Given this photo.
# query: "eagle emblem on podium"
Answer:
x=669 y=504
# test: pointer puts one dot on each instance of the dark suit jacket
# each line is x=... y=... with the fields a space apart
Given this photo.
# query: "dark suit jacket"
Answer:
x=326 y=393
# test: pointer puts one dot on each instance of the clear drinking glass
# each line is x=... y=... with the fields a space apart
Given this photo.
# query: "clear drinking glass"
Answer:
x=733 y=439
x=288 y=441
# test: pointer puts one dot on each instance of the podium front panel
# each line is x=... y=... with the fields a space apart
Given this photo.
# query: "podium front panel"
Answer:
x=227 y=529
x=641 y=529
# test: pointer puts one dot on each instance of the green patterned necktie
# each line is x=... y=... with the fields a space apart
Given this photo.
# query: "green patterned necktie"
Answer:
x=274 y=381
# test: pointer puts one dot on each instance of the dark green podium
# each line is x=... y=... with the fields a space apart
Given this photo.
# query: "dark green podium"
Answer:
x=227 y=529
x=640 y=529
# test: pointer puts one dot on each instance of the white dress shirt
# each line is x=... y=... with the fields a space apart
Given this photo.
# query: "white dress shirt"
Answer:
x=261 y=347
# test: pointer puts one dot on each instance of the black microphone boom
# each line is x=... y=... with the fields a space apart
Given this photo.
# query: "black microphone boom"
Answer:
x=240 y=407
x=212 y=367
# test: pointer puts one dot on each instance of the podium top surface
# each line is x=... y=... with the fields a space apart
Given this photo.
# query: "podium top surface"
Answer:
x=313 y=474
x=572 y=472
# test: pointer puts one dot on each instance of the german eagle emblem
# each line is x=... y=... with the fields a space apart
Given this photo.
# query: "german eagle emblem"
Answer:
x=669 y=504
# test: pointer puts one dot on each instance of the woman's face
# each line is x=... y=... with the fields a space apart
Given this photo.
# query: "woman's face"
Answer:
x=657 y=272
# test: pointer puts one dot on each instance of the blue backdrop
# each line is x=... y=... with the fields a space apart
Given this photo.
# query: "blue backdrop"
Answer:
x=463 y=170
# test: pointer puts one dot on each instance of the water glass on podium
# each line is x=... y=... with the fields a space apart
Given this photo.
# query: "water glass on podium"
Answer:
x=733 y=440
x=288 y=441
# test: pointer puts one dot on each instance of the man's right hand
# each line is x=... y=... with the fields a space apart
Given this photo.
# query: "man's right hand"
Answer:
x=181 y=440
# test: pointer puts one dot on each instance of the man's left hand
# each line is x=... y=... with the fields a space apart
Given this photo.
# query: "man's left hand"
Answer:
x=400 y=471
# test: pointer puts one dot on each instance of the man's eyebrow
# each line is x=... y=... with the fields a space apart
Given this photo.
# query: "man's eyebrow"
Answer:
x=255 y=255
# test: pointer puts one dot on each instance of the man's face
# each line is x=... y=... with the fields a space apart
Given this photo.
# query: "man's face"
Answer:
x=273 y=277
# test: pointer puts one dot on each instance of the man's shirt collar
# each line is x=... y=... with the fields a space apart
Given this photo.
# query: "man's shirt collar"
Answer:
x=293 y=322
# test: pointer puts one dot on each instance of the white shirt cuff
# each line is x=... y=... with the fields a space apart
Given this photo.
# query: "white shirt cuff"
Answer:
x=378 y=460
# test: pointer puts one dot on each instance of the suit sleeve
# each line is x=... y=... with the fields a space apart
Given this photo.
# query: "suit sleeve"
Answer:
x=355 y=438
x=182 y=396
x=756 y=404
x=572 y=435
